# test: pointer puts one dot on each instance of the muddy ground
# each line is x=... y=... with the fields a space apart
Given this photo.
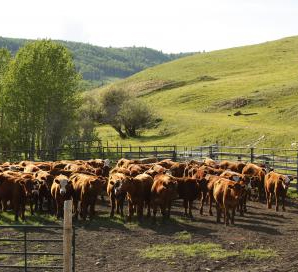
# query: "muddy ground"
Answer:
x=114 y=245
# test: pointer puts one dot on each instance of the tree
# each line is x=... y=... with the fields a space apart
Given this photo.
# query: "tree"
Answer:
x=135 y=115
x=88 y=115
x=40 y=95
x=111 y=102
x=125 y=113
x=5 y=58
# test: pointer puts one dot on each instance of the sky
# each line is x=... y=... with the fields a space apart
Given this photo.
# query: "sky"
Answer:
x=171 y=26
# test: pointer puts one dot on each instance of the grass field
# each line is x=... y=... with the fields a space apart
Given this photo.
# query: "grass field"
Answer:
x=197 y=96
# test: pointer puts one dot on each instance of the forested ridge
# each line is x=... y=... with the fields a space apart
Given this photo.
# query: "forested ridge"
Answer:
x=99 y=65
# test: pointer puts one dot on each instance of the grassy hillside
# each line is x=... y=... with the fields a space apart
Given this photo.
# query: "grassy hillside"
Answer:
x=197 y=97
x=99 y=65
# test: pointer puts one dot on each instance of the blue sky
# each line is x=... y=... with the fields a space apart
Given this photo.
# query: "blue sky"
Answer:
x=167 y=25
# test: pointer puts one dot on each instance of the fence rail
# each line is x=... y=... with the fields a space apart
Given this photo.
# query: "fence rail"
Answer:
x=26 y=263
x=281 y=159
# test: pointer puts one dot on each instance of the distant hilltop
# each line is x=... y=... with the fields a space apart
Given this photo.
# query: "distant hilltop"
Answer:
x=100 y=65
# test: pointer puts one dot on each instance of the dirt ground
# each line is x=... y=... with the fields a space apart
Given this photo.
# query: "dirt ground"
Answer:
x=114 y=245
x=110 y=245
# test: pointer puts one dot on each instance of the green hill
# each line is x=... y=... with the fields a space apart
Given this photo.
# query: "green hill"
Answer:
x=197 y=97
x=99 y=65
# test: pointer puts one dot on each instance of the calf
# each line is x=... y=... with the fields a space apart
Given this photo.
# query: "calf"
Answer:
x=138 y=191
x=278 y=185
x=86 y=188
x=163 y=192
x=226 y=194
x=258 y=174
x=117 y=201
x=45 y=181
x=13 y=189
x=61 y=190
x=189 y=190
x=243 y=180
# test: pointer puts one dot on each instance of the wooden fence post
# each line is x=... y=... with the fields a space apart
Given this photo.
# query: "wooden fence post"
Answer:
x=251 y=154
x=67 y=236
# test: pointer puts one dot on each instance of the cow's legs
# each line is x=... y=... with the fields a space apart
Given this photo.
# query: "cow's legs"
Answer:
x=218 y=213
x=154 y=208
x=276 y=201
x=112 y=200
x=204 y=196
x=210 y=203
x=169 y=209
x=185 y=205
x=269 y=205
x=190 y=209
x=148 y=209
x=227 y=216
x=75 y=208
x=130 y=210
x=283 y=196
x=233 y=216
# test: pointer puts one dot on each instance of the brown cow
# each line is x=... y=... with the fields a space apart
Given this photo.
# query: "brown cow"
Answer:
x=258 y=177
x=135 y=169
x=155 y=169
x=278 y=185
x=233 y=166
x=61 y=190
x=243 y=180
x=163 y=192
x=189 y=190
x=13 y=189
x=45 y=181
x=31 y=168
x=211 y=163
x=29 y=183
x=199 y=176
x=138 y=191
x=86 y=188
x=167 y=163
x=177 y=169
x=226 y=194
x=117 y=201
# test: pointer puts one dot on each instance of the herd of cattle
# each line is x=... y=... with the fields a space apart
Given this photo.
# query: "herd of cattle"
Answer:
x=141 y=183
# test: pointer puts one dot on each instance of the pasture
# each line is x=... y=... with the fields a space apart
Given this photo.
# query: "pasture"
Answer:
x=196 y=98
x=262 y=240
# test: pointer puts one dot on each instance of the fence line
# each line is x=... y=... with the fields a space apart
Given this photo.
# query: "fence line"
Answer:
x=282 y=159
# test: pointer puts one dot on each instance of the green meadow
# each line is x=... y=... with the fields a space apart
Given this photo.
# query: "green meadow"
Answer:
x=197 y=96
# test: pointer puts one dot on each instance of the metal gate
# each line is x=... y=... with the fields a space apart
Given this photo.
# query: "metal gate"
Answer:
x=21 y=248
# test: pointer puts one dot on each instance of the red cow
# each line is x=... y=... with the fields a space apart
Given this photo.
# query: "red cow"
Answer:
x=226 y=194
x=61 y=190
x=163 y=192
x=278 y=185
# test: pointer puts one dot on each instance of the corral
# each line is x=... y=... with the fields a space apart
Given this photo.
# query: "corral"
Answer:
x=262 y=240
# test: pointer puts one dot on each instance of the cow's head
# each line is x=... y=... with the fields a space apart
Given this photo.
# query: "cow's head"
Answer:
x=171 y=186
x=64 y=184
x=285 y=181
x=236 y=190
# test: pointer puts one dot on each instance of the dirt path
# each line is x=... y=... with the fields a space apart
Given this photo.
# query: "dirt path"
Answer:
x=111 y=245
